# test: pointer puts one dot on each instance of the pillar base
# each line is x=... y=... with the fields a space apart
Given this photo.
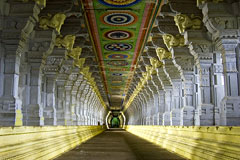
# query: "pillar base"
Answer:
x=50 y=116
x=34 y=116
x=78 y=120
x=166 y=119
x=155 y=119
x=175 y=117
x=230 y=111
x=187 y=116
x=160 y=118
x=10 y=112
x=74 y=119
x=60 y=117
x=204 y=116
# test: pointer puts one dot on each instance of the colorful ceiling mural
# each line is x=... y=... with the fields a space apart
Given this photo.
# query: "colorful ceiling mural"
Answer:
x=119 y=30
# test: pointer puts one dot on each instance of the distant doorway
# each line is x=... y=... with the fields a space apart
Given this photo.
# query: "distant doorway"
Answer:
x=115 y=122
x=115 y=119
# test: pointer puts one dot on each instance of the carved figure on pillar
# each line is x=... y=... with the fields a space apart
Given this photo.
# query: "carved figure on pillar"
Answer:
x=173 y=41
x=66 y=42
x=184 y=22
x=53 y=21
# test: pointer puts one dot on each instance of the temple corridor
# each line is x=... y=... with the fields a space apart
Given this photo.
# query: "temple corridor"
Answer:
x=117 y=144
x=119 y=79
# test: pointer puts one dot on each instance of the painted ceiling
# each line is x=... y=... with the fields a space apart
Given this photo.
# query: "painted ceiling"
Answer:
x=119 y=31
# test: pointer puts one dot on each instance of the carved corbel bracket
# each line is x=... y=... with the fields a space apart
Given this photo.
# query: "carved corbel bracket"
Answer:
x=84 y=70
x=155 y=63
x=80 y=62
x=75 y=53
x=173 y=41
x=66 y=42
x=53 y=21
x=163 y=54
x=184 y=22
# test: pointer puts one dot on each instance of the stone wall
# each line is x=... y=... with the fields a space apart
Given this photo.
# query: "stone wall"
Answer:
x=193 y=143
x=43 y=142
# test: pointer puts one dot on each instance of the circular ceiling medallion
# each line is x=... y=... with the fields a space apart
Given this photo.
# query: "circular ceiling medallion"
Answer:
x=118 y=18
x=118 y=35
x=119 y=3
x=118 y=63
x=118 y=47
x=117 y=56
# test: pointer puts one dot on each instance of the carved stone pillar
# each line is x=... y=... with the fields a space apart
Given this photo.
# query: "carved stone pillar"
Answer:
x=173 y=74
x=60 y=104
x=16 y=27
x=168 y=105
x=41 y=46
x=67 y=110
x=222 y=23
x=177 y=101
x=34 y=111
x=74 y=108
x=201 y=49
x=10 y=104
x=155 y=110
x=230 y=112
x=78 y=109
x=184 y=62
x=218 y=85
x=161 y=106
x=167 y=86
x=49 y=111
x=81 y=111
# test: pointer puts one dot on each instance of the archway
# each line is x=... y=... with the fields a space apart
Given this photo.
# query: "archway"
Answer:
x=115 y=122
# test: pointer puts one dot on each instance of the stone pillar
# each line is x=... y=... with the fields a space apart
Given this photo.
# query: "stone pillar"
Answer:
x=230 y=111
x=35 y=108
x=168 y=106
x=177 y=98
x=156 y=109
x=49 y=111
x=1 y=69
x=74 y=108
x=201 y=49
x=81 y=111
x=78 y=109
x=222 y=23
x=60 y=104
x=16 y=27
x=41 y=46
x=218 y=85
x=68 y=108
x=184 y=62
x=167 y=86
x=161 y=106
x=10 y=104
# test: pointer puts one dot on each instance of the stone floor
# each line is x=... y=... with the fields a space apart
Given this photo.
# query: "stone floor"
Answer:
x=118 y=144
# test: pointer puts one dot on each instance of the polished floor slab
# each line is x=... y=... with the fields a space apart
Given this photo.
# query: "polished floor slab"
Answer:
x=118 y=144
